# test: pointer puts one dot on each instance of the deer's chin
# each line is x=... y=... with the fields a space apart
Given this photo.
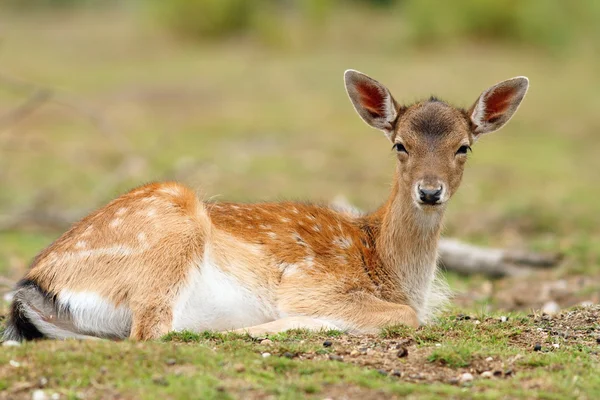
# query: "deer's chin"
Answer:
x=428 y=208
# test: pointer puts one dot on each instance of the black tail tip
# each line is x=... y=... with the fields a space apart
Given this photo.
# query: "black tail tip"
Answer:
x=18 y=326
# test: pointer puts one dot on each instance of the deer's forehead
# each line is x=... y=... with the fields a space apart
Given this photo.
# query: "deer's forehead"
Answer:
x=433 y=122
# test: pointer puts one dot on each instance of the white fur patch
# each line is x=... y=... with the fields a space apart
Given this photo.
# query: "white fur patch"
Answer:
x=96 y=316
x=214 y=300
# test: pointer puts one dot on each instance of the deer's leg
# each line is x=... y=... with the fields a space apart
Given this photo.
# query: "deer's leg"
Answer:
x=151 y=321
x=356 y=311
x=284 y=324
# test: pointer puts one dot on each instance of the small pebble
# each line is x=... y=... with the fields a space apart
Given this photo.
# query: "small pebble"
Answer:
x=556 y=345
x=38 y=395
x=266 y=342
x=453 y=381
x=402 y=352
x=382 y=371
x=489 y=359
x=477 y=322
x=354 y=353
x=43 y=381
x=11 y=343
x=487 y=374
x=171 y=361
x=265 y=355
x=239 y=367
x=327 y=343
x=396 y=373
x=55 y=396
x=551 y=308
x=335 y=357
x=287 y=354
x=438 y=345
x=466 y=377
x=503 y=318
x=14 y=363
x=537 y=347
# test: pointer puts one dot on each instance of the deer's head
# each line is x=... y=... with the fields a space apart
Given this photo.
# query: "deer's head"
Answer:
x=431 y=138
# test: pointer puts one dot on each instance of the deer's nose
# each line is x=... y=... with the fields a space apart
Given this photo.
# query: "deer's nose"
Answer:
x=430 y=195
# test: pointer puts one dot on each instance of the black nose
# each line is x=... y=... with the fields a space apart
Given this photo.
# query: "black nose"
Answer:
x=430 y=196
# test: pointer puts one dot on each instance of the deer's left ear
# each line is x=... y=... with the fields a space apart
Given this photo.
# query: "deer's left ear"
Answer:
x=495 y=107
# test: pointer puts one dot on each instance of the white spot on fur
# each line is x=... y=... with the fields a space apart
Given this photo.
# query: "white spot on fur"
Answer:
x=316 y=228
x=309 y=261
x=121 y=211
x=148 y=199
x=342 y=242
x=298 y=239
x=113 y=251
x=272 y=235
x=116 y=222
x=310 y=217
x=96 y=316
x=263 y=226
x=142 y=238
x=212 y=299
x=285 y=220
x=288 y=269
x=81 y=244
x=235 y=207
x=294 y=210
x=151 y=212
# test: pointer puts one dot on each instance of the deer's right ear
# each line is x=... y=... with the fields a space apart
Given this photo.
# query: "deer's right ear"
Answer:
x=373 y=101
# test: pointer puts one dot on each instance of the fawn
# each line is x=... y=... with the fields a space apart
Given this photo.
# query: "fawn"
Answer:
x=159 y=259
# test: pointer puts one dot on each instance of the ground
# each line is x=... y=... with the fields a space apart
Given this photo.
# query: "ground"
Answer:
x=474 y=356
x=241 y=121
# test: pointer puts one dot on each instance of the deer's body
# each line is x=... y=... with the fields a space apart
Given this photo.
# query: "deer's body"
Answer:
x=159 y=259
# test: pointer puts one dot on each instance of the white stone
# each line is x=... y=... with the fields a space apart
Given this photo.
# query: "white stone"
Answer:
x=503 y=318
x=14 y=363
x=489 y=359
x=466 y=377
x=556 y=345
x=265 y=355
x=487 y=374
x=38 y=395
x=11 y=343
x=551 y=308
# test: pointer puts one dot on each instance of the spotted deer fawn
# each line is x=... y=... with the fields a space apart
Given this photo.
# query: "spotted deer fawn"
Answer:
x=158 y=259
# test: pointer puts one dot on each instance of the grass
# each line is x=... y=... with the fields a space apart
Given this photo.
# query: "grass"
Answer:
x=243 y=122
x=210 y=365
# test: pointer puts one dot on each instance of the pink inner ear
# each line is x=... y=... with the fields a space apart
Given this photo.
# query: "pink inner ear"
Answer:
x=498 y=102
x=371 y=98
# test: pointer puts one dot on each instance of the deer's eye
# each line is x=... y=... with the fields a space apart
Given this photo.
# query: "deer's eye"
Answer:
x=399 y=147
x=463 y=149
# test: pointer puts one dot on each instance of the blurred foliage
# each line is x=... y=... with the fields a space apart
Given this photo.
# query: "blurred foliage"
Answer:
x=544 y=23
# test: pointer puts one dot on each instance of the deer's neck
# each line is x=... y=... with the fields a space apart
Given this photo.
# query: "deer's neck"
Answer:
x=407 y=245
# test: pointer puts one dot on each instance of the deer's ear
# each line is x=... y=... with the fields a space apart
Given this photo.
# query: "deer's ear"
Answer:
x=373 y=101
x=497 y=105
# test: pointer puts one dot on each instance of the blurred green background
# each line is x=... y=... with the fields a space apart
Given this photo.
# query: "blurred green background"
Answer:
x=244 y=100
